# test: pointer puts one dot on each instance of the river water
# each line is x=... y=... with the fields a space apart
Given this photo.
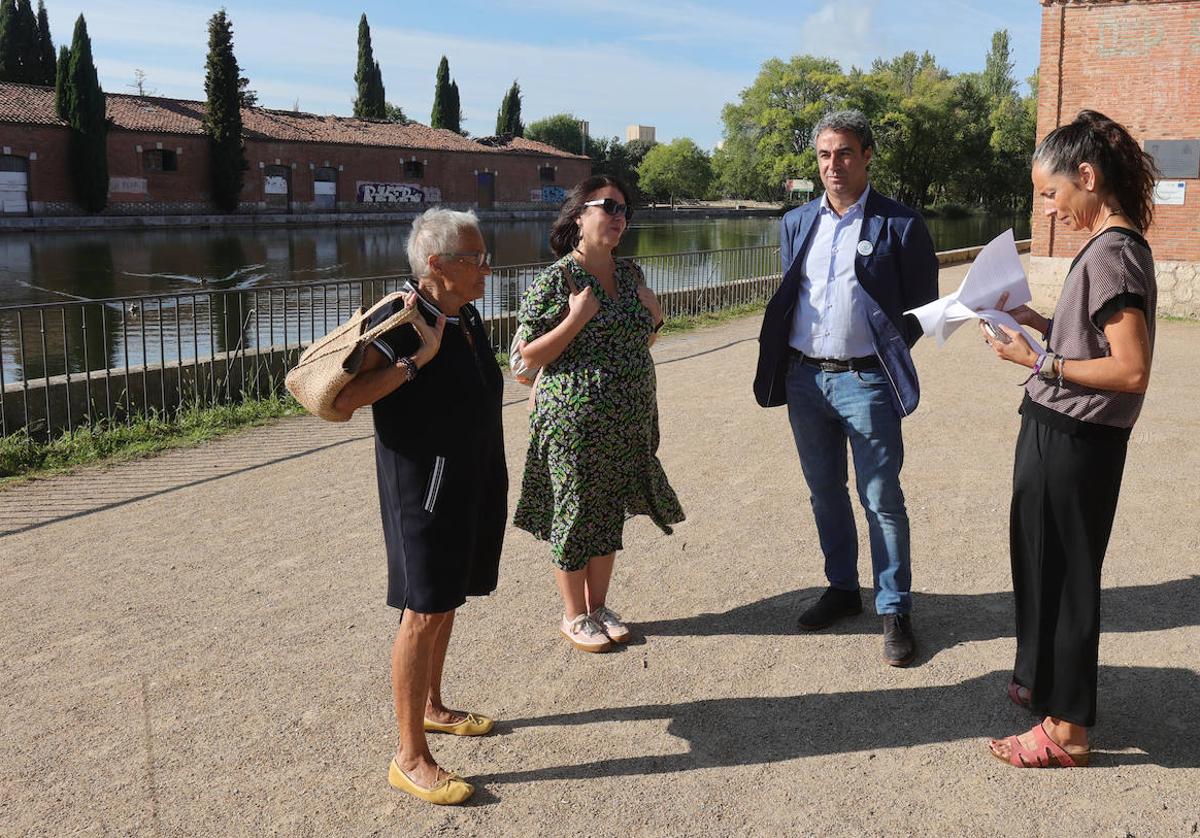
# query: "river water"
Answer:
x=54 y=267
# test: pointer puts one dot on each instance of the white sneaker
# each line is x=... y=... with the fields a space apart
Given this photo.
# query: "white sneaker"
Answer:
x=585 y=634
x=610 y=622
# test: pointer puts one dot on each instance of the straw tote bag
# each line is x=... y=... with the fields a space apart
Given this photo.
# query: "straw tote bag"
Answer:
x=330 y=363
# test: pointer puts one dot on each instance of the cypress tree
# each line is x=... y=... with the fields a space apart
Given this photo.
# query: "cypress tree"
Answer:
x=10 y=65
x=508 y=118
x=60 y=82
x=440 y=118
x=46 y=63
x=368 y=80
x=27 y=43
x=89 y=127
x=223 y=115
x=454 y=109
x=378 y=98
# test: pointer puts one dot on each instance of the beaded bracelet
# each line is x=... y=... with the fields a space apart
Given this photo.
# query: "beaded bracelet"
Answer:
x=410 y=368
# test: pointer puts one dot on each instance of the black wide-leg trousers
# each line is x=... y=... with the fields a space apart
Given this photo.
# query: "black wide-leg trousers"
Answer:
x=1065 y=490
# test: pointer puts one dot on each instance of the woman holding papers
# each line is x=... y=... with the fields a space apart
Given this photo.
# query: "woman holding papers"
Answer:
x=1081 y=402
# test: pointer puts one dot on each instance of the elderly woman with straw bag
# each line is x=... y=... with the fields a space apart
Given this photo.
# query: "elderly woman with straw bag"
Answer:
x=588 y=321
x=1081 y=402
x=435 y=393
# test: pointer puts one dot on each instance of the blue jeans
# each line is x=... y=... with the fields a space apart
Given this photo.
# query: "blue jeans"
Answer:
x=826 y=409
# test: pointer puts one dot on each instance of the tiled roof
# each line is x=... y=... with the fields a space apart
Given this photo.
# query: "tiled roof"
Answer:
x=34 y=105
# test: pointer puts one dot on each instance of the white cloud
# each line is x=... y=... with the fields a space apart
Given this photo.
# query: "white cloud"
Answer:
x=844 y=32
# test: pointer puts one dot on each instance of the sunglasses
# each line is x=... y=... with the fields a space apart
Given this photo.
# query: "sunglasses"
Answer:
x=480 y=259
x=612 y=207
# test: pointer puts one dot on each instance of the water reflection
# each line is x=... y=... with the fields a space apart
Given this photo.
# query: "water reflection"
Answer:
x=204 y=293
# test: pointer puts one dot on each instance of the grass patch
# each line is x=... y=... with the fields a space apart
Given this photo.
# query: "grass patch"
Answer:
x=22 y=457
x=688 y=322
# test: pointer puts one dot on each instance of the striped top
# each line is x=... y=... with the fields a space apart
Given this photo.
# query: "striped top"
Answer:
x=1114 y=271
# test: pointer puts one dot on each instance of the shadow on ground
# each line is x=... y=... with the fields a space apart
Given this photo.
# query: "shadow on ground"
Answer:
x=729 y=732
x=945 y=620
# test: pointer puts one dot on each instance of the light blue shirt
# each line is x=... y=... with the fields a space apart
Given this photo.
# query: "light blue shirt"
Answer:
x=830 y=320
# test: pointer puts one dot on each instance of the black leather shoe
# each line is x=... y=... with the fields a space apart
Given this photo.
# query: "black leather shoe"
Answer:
x=831 y=607
x=899 y=645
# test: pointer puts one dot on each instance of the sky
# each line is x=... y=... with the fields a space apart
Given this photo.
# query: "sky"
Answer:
x=672 y=64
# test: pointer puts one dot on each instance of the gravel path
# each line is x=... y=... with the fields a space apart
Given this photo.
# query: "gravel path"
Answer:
x=197 y=644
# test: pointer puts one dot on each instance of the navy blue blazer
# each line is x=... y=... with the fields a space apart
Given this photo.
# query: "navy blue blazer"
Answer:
x=899 y=273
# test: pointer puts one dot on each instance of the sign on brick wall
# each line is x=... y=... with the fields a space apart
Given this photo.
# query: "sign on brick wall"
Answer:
x=1176 y=158
x=548 y=195
x=127 y=185
x=397 y=193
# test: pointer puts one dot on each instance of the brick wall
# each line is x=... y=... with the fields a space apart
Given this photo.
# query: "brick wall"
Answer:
x=138 y=191
x=1138 y=62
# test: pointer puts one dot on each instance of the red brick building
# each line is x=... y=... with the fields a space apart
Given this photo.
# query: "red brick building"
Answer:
x=1138 y=61
x=299 y=163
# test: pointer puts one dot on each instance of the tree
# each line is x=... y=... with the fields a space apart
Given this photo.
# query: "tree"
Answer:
x=369 y=101
x=612 y=157
x=394 y=113
x=139 y=83
x=679 y=169
x=440 y=117
x=18 y=43
x=45 y=47
x=88 y=146
x=454 y=109
x=508 y=118
x=998 y=83
x=60 y=82
x=247 y=98
x=561 y=130
x=223 y=115
x=28 y=53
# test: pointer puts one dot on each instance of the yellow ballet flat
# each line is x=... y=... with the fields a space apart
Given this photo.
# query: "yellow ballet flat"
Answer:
x=472 y=725
x=449 y=792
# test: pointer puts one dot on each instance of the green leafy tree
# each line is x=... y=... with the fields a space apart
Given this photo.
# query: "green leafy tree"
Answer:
x=370 y=101
x=561 y=130
x=45 y=48
x=88 y=146
x=394 y=113
x=441 y=115
x=508 y=118
x=61 y=70
x=679 y=169
x=18 y=42
x=621 y=160
x=223 y=115
x=998 y=83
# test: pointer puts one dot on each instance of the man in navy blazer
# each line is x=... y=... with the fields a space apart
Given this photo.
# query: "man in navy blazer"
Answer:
x=834 y=348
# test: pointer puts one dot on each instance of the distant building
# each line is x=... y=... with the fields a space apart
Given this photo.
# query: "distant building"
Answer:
x=1138 y=62
x=645 y=133
x=158 y=161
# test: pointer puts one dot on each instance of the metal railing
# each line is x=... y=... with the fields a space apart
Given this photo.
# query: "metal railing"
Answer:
x=71 y=364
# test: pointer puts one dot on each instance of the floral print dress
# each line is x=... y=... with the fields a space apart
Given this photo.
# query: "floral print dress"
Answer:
x=593 y=444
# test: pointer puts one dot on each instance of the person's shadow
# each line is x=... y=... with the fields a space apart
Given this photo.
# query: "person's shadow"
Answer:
x=945 y=620
x=729 y=732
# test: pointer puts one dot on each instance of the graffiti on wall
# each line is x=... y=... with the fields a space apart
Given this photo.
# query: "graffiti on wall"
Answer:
x=397 y=193
x=548 y=195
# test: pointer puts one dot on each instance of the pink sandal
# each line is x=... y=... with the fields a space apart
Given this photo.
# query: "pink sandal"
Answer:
x=1014 y=695
x=1047 y=754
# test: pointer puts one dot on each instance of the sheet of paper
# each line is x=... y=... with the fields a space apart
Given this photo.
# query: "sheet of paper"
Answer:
x=995 y=271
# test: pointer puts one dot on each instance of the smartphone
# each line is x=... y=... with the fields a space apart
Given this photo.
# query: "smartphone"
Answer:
x=994 y=333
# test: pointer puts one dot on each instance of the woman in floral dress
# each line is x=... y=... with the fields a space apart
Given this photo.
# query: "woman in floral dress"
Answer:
x=589 y=320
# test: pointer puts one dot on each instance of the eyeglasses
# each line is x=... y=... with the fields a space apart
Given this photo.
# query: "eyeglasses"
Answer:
x=480 y=259
x=611 y=207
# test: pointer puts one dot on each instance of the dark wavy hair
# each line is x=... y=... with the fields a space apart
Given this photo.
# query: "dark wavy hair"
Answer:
x=564 y=235
x=1127 y=171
